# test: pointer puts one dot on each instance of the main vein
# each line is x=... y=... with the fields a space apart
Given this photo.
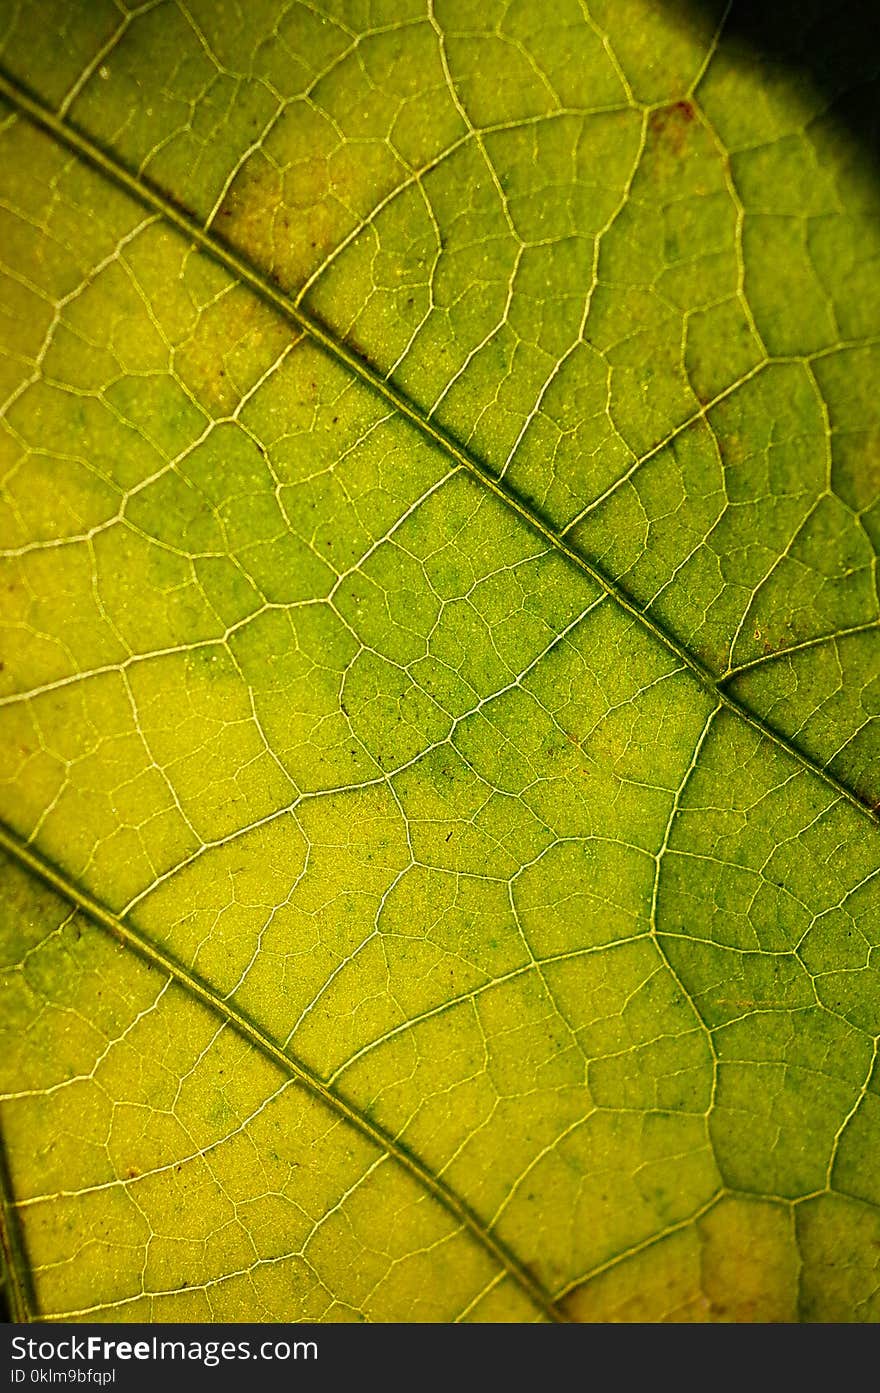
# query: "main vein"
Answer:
x=261 y=284
x=248 y=1029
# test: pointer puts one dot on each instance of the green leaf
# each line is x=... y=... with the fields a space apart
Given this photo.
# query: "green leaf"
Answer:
x=439 y=663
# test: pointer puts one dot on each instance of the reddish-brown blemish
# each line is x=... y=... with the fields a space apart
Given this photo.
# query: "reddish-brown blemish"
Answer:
x=670 y=123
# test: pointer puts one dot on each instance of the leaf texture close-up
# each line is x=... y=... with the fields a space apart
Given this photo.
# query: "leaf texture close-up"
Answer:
x=439 y=661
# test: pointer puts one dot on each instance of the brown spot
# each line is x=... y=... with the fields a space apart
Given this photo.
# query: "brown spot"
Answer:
x=670 y=124
x=251 y=204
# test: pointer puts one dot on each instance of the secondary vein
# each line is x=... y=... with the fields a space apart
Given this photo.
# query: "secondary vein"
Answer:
x=248 y=1029
x=13 y=1261
x=151 y=197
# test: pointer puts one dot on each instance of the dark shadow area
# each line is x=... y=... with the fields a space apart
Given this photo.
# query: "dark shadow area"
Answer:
x=832 y=46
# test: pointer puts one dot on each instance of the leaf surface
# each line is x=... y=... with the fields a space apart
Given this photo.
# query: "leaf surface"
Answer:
x=439 y=672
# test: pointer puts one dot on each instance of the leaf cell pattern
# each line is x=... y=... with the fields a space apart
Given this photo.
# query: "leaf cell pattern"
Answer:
x=439 y=666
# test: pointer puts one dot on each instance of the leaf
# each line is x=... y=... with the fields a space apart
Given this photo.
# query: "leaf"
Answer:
x=439 y=664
